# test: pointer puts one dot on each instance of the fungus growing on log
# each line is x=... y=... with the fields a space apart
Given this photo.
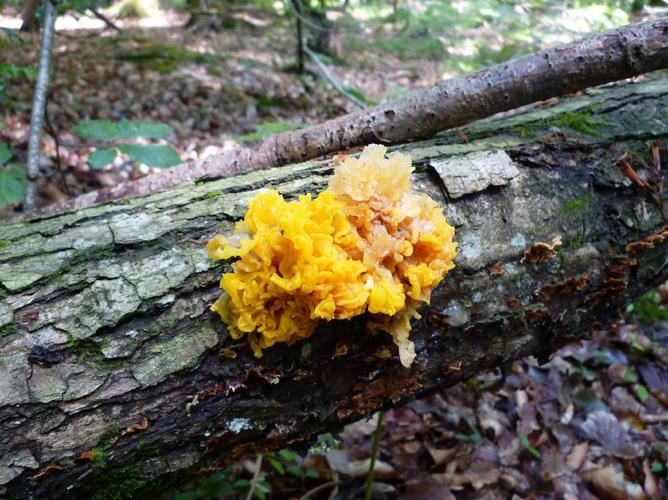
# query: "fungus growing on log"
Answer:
x=368 y=243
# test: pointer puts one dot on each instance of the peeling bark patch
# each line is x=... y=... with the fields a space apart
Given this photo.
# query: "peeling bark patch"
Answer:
x=475 y=172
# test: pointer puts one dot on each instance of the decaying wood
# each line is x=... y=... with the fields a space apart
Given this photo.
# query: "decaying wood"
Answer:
x=614 y=55
x=114 y=375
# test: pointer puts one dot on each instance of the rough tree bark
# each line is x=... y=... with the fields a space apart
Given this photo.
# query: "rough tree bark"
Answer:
x=107 y=343
x=606 y=57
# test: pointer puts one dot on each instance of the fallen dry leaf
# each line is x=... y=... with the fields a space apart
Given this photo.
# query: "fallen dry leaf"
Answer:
x=616 y=440
x=577 y=456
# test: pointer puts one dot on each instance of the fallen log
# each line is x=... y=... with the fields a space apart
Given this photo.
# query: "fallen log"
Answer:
x=116 y=378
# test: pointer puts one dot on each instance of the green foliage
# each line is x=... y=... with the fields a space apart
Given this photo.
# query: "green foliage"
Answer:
x=411 y=46
x=225 y=483
x=8 y=72
x=468 y=36
x=5 y=153
x=80 y=6
x=125 y=129
x=218 y=485
x=648 y=308
x=641 y=391
x=153 y=155
x=657 y=468
x=288 y=462
x=12 y=179
x=325 y=443
x=122 y=483
x=266 y=129
x=137 y=8
x=98 y=459
x=101 y=157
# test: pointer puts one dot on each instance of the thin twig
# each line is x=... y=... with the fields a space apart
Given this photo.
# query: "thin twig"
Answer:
x=256 y=476
x=374 y=452
x=330 y=78
x=38 y=106
x=104 y=19
x=318 y=489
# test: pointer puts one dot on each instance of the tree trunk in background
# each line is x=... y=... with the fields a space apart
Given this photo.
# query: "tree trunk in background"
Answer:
x=29 y=21
x=300 y=37
x=107 y=343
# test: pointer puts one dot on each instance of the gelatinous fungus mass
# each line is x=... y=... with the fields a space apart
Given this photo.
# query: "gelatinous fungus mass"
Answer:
x=368 y=243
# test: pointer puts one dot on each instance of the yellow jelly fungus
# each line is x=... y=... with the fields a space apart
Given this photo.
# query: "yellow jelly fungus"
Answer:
x=369 y=243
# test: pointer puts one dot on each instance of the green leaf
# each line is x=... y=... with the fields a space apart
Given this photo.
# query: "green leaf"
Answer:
x=5 y=153
x=288 y=455
x=12 y=185
x=96 y=129
x=153 y=155
x=629 y=376
x=295 y=470
x=153 y=130
x=278 y=466
x=312 y=473
x=641 y=392
x=657 y=467
x=101 y=157
x=124 y=129
x=241 y=483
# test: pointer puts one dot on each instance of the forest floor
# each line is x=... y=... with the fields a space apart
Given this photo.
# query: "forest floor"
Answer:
x=592 y=422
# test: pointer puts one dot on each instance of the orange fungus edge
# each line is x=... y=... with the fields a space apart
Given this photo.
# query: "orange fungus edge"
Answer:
x=368 y=243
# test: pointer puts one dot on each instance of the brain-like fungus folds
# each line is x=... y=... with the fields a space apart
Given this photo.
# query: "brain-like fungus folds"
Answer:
x=368 y=243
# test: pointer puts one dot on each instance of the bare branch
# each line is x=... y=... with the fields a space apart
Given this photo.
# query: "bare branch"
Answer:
x=614 y=55
x=38 y=106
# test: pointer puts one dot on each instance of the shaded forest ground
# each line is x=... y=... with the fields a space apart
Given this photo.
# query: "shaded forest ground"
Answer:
x=592 y=422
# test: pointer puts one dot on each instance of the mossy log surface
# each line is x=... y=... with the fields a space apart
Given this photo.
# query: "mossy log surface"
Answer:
x=114 y=373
